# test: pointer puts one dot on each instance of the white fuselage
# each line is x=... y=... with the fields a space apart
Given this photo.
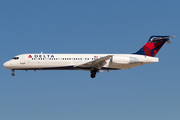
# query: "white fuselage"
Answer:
x=73 y=61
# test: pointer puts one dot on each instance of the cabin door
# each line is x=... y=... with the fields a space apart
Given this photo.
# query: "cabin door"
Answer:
x=22 y=60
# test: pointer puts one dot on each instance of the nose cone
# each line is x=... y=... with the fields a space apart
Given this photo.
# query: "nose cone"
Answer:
x=7 y=65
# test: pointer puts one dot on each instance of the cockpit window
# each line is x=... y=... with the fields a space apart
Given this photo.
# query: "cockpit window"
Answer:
x=15 y=58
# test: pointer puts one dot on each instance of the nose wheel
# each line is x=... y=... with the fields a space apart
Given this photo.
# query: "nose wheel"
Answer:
x=13 y=74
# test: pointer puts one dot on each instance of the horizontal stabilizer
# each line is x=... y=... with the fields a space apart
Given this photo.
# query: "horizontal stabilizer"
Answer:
x=168 y=42
x=163 y=38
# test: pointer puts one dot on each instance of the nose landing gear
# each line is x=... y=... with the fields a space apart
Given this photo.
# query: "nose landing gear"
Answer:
x=13 y=74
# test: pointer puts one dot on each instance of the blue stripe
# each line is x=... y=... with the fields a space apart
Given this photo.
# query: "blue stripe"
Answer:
x=140 y=52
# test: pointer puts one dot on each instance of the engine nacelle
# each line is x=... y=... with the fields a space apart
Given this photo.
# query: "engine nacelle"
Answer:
x=124 y=60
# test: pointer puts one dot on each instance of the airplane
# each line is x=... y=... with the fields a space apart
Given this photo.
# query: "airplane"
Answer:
x=89 y=62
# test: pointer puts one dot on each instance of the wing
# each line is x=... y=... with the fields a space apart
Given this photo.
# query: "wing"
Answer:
x=98 y=64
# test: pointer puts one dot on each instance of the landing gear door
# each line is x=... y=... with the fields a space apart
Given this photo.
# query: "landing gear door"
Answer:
x=22 y=60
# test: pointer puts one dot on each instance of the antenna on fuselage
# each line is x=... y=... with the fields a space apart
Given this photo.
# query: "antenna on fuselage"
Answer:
x=42 y=52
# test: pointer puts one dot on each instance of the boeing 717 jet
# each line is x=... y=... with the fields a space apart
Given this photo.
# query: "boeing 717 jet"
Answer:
x=89 y=62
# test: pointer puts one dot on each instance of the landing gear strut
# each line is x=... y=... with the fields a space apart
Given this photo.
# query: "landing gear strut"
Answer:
x=93 y=73
x=13 y=74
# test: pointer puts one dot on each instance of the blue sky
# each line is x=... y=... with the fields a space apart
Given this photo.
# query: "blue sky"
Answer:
x=97 y=26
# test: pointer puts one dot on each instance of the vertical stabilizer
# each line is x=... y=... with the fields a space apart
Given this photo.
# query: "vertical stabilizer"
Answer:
x=153 y=45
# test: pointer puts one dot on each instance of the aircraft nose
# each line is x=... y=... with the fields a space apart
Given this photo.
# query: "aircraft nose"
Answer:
x=7 y=65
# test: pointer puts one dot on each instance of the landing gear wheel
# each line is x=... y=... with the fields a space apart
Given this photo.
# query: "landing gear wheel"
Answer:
x=13 y=74
x=93 y=73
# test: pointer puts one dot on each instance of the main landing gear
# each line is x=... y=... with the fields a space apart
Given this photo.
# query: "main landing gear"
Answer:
x=13 y=74
x=93 y=73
